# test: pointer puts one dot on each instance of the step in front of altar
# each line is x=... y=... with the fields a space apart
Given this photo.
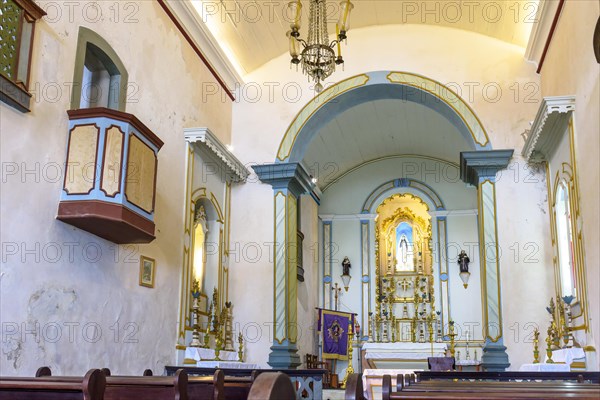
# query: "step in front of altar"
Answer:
x=401 y=355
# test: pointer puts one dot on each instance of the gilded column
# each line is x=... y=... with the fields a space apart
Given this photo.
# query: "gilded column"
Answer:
x=289 y=182
x=479 y=168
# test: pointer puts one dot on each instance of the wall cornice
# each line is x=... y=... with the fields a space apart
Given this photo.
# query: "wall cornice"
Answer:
x=203 y=137
x=551 y=122
x=200 y=34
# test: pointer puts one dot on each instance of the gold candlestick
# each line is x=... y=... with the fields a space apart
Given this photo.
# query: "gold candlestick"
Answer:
x=451 y=334
x=219 y=344
x=549 y=349
x=370 y=338
x=195 y=311
x=350 y=369
x=241 y=348
x=536 y=351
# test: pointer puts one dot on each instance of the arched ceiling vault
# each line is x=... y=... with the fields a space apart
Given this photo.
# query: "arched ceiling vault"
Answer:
x=379 y=129
x=253 y=32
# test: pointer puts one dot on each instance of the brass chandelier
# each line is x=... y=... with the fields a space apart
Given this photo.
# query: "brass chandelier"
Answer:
x=318 y=58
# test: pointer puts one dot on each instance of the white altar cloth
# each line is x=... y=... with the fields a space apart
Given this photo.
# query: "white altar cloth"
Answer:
x=226 y=364
x=404 y=350
x=200 y=354
x=545 y=368
x=567 y=355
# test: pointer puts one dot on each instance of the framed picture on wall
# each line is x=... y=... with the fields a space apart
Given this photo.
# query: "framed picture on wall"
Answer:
x=147 y=270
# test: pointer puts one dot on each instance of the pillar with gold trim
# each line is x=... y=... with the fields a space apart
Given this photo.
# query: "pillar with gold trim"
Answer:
x=479 y=168
x=289 y=182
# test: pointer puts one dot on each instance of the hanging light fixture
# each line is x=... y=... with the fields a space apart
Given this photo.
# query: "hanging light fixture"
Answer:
x=318 y=57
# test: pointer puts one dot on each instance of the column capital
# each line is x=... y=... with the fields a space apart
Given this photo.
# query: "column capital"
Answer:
x=290 y=176
x=478 y=165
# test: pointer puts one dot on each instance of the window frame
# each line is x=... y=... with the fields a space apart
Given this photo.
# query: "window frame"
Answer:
x=87 y=36
x=13 y=91
x=571 y=237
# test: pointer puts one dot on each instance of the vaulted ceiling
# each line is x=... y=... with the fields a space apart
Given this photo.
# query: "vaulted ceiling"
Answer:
x=253 y=31
x=379 y=129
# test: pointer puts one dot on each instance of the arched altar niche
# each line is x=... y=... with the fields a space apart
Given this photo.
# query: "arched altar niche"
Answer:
x=403 y=231
x=405 y=279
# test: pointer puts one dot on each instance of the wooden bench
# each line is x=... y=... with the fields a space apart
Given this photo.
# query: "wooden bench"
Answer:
x=308 y=383
x=272 y=386
x=408 y=388
x=89 y=387
x=464 y=389
x=236 y=383
x=179 y=386
x=583 y=376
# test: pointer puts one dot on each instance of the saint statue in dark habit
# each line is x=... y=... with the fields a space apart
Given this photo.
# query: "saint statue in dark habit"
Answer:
x=463 y=261
x=346 y=266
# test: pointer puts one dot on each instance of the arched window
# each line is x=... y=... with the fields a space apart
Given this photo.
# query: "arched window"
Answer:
x=199 y=246
x=564 y=237
x=100 y=78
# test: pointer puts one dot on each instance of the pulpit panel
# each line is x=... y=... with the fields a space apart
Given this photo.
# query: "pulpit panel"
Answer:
x=113 y=159
x=81 y=159
x=141 y=174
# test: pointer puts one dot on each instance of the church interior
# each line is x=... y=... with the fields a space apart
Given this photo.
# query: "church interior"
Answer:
x=300 y=199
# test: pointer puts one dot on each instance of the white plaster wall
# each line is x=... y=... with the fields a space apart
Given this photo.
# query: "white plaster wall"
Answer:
x=308 y=297
x=275 y=93
x=130 y=328
x=571 y=69
x=465 y=304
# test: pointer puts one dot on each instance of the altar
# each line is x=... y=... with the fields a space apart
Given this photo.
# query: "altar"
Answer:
x=401 y=355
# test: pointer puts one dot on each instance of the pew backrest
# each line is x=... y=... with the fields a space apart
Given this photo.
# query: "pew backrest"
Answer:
x=272 y=386
x=91 y=387
x=354 y=388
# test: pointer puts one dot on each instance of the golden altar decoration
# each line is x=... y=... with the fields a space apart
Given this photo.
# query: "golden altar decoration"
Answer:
x=404 y=293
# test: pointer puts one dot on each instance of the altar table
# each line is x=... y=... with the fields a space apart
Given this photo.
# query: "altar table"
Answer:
x=468 y=365
x=568 y=355
x=201 y=354
x=401 y=355
x=545 y=368
x=226 y=364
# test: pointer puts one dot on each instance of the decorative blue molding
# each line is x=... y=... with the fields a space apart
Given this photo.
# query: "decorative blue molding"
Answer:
x=292 y=176
x=327 y=279
x=284 y=356
x=494 y=358
x=404 y=183
x=478 y=165
x=365 y=279
x=444 y=277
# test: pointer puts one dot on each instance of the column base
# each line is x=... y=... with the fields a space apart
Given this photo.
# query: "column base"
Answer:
x=494 y=358
x=284 y=356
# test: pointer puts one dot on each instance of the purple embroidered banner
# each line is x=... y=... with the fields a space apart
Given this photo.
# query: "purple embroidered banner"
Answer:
x=334 y=325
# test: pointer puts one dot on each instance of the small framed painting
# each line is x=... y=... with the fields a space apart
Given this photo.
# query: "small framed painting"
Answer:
x=147 y=269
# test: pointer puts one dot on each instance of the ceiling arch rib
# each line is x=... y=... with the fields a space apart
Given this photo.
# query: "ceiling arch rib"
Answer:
x=253 y=32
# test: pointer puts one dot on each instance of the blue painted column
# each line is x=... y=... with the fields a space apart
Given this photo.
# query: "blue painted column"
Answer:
x=289 y=182
x=479 y=168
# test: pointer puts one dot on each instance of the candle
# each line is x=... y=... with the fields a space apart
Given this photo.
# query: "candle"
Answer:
x=468 y=335
x=339 y=49
x=298 y=10
x=346 y=10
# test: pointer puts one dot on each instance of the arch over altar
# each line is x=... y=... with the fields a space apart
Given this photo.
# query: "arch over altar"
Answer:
x=290 y=179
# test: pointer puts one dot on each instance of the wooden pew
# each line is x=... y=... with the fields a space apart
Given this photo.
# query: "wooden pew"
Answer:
x=236 y=383
x=354 y=388
x=492 y=390
x=272 y=386
x=179 y=386
x=583 y=376
x=90 y=387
